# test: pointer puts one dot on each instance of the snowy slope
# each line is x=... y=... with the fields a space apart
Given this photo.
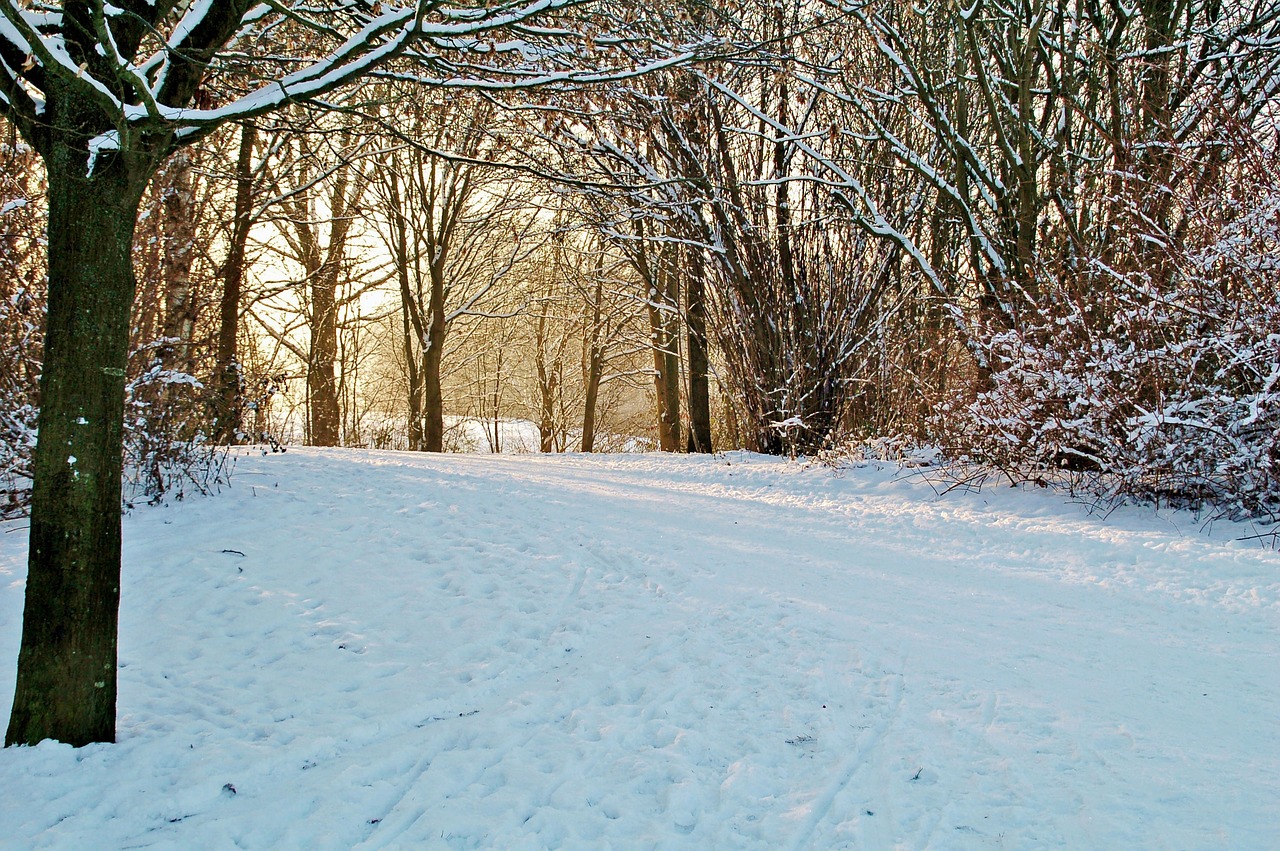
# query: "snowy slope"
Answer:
x=654 y=651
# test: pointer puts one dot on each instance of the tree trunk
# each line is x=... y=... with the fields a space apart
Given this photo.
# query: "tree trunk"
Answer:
x=410 y=317
x=699 y=364
x=548 y=380
x=496 y=442
x=322 y=382
x=595 y=366
x=228 y=397
x=325 y=268
x=662 y=301
x=416 y=437
x=592 y=369
x=661 y=376
x=66 y=686
x=179 y=255
x=432 y=358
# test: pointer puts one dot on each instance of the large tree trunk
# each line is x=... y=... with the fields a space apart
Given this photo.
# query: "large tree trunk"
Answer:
x=66 y=686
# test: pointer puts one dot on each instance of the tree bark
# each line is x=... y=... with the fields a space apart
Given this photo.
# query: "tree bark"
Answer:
x=230 y=378
x=66 y=685
x=433 y=355
x=179 y=255
x=592 y=367
x=699 y=363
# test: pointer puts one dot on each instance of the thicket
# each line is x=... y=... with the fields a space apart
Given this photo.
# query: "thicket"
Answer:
x=1151 y=370
x=168 y=449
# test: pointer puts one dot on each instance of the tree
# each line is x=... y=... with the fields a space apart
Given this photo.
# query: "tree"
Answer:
x=455 y=229
x=98 y=162
x=656 y=266
x=550 y=343
x=105 y=93
x=229 y=375
x=318 y=214
x=1078 y=164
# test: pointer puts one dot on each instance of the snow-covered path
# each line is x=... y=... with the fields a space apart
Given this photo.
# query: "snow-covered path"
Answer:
x=654 y=651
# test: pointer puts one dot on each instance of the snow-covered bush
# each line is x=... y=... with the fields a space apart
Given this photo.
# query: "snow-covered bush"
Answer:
x=903 y=451
x=17 y=439
x=1189 y=417
x=1150 y=370
x=167 y=448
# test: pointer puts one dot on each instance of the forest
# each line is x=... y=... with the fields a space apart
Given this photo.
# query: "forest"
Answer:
x=1042 y=236
x=1039 y=238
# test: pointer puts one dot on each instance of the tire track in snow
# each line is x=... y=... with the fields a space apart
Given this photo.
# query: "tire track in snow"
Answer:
x=869 y=741
x=519 y=668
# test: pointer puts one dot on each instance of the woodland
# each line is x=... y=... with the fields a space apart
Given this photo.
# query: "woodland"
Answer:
x=1038 y=238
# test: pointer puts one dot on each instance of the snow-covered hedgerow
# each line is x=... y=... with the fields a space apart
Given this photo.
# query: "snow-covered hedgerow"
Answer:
x=1155 y=375
x=1193 y=418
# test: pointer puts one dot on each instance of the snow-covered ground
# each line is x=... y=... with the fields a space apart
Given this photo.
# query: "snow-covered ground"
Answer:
x=653 y=651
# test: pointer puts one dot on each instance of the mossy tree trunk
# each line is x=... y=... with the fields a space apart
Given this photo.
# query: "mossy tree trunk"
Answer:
x=66 y=686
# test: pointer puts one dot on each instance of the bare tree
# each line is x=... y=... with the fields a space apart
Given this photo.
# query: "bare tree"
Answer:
x=316 y=220
x=229 y=374
x=455 y=228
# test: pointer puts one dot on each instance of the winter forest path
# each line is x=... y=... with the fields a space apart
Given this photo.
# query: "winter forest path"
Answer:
x=653 y=651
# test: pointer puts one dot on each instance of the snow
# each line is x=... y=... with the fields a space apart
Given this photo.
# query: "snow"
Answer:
x=471 y=434
x=391 y=650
